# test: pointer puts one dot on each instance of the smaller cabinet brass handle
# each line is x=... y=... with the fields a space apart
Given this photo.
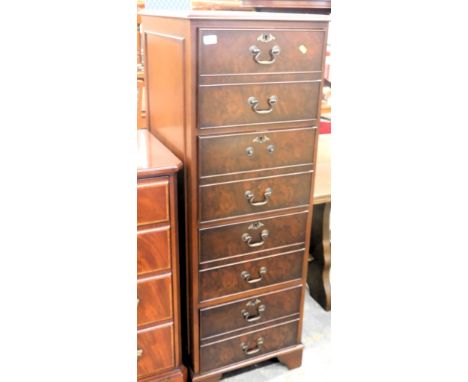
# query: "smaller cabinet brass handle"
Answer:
x=139 y=353
x=256 y=52
x=247 y=351
x=247 y=276
x=246 y=237
x=250 y=151
x=261 y=308
x=249 y=195
x=255 y=102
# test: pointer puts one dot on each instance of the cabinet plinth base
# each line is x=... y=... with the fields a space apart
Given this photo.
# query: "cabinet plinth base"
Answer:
x=291 y=358
x=177 y=375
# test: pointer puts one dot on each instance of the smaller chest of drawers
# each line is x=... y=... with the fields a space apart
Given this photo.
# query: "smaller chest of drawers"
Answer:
x=158 y=300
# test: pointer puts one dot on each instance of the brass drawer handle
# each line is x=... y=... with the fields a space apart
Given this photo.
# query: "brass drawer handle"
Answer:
x=248 y=239
x=255 y=102
x=256 y=52
x=260 y=310
x=139 y=353
x=255 y=350
x=247 y=276
x=251 y=197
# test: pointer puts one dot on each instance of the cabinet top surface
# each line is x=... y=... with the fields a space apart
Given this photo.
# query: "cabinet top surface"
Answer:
x=153 y=158
x=235 y=15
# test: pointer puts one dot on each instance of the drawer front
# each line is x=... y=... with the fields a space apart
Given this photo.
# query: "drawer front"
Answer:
x=255 y=235
x=154 y=300
x=250 y=275
x=251 y=196
x=263 y=103
x=155 y=350
x=248 y=346
x=248 y=312
x=233 y=51
x=153 y=201
x=224 y=154
x=153 y=250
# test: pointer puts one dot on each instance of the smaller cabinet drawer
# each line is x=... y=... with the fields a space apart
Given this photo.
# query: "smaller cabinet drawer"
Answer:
x=244 y=197
x=248 y=312
x=257 y=103
x=154 y=299
x=153 y=250
x=233 y=51
x=248 y=346
x=155 y=352
x=255 y=235
x=224 y=154
x=251 y=274
x=153 y=201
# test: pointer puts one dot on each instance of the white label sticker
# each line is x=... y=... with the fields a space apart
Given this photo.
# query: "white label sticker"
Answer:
x=210 y=39
x=303 y=49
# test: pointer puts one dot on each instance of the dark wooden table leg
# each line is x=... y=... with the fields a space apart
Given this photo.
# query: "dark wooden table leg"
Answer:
x=318 y=276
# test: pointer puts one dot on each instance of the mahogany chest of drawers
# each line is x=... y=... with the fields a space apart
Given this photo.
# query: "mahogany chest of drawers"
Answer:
x=237 y=95
x=158 y=300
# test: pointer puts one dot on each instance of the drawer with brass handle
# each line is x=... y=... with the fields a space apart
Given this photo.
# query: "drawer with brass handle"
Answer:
x=153 y=250
x=153 y=200
x=245 y=313
x=233 y=153
x=155 y=351
x=154 y=299
x=248 y=345
x=264 y=103
x=246 y=197
x=251 y=274
x=231 y=51
x=231 y=240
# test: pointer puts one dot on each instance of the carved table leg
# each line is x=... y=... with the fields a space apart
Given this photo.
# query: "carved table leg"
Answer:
x=291 y=360
x=318 y=277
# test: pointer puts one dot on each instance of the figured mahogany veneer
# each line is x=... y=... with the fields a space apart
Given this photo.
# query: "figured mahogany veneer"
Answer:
x=222 y=353
x=153 y=204
x=249 y=312
x=214 y=59
x=228 y=105
x=237 y=96
x=155 y=350
x=227 y=280
x=154 y=251
x=229 y=199
x=154 y=299
x=250 y=151
x=158 y=299
x=226 y=241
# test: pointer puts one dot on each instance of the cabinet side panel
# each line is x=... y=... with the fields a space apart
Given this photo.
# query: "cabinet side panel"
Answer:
x=165 y=76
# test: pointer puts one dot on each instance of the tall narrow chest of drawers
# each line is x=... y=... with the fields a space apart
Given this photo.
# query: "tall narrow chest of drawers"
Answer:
x=236 y=95
x=158 y=299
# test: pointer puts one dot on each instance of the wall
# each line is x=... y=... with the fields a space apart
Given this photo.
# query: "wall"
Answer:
x=167 y=4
